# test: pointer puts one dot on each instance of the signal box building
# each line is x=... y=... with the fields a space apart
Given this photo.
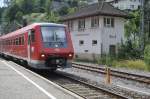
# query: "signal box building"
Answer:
x=96 y=29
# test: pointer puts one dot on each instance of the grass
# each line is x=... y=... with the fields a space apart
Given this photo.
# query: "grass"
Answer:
x=131 y=64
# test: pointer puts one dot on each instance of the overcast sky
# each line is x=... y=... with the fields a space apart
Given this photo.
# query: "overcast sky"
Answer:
x=1 y=3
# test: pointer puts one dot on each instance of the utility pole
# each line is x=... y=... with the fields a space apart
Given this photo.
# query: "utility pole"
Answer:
x=148 y=29
x=142 y=35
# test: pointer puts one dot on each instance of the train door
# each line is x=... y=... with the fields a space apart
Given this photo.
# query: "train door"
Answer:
x=29 y=46
x=31 y=40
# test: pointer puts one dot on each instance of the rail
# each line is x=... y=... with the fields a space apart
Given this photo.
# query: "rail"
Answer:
x=116 y=73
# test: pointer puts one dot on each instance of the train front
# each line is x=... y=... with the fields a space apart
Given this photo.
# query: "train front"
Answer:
x=57 y=49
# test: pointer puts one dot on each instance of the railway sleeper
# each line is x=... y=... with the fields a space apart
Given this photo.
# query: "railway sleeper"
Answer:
x=86 y=91
x=79 y=88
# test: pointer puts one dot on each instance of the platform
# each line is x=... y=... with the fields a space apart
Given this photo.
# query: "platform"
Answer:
x=16 y=82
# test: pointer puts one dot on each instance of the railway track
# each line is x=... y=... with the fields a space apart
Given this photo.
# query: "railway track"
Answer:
x=85 y=88
x=82 y=88
x=121 y=74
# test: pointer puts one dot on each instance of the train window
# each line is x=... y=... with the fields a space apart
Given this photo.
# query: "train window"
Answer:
x=11 y=42
x=14 y=42
x=7 y=42
x=22 y=40
x=29 y=39
x=19 y=40
x=32 y=36
x=4 y=42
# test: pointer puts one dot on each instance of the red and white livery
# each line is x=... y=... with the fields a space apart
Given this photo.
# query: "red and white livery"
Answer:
x=41 y=45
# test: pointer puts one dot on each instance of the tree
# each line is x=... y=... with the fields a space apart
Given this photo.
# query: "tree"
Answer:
x=21 y=12
x=132 y=28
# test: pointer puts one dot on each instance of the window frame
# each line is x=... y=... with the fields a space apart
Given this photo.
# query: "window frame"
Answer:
x=81 y=24
x=32 y=36
x=109 y=22
x=93 y=42
x=70 y=24
x=81 y=42
x=94 y=21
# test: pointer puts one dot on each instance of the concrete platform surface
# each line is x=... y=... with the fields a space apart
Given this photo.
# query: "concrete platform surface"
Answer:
x=16 y=82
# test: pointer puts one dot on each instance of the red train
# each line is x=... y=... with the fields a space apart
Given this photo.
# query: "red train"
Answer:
x=41 y=45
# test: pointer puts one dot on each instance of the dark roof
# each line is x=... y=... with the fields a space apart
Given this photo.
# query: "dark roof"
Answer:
x=96 y=9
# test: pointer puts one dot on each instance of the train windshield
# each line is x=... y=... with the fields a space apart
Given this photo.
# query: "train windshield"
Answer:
x=54 y=37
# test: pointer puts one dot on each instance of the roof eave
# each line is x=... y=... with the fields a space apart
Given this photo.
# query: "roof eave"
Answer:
x=96 y=14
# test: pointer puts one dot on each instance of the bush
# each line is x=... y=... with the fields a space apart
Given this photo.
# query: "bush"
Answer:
x=128 y=50
x=147 y=55
x=106 y=60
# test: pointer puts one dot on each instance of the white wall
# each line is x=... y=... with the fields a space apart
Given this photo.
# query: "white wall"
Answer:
x=116 y=33
x=87 y=36
x=101 y=34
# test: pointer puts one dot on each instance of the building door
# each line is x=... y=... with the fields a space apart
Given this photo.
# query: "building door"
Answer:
x=112 y=50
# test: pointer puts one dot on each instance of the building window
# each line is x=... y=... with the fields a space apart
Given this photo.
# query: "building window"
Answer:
x=70 y=25
x=112 y=50
x=132 y=6
x=139 y=6
x=81 y=42
x=81 y=24
x=108 y=22
x=86 y=51
x=94 y=21
x=94 y=42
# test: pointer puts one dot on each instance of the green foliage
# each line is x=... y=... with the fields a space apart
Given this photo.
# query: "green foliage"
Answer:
x=147 y=55
x=129 y=50
x=20 y=12
x=35 y=17
x=132 y=26
x=71 y=10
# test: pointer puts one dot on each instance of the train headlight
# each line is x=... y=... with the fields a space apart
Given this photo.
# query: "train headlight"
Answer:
x=42 y=55
x=70 y=55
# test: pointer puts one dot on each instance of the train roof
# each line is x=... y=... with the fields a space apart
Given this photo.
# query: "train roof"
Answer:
x=24 y=29
x=48 y=24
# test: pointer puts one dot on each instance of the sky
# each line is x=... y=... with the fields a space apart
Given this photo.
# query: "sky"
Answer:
x=1 y=3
